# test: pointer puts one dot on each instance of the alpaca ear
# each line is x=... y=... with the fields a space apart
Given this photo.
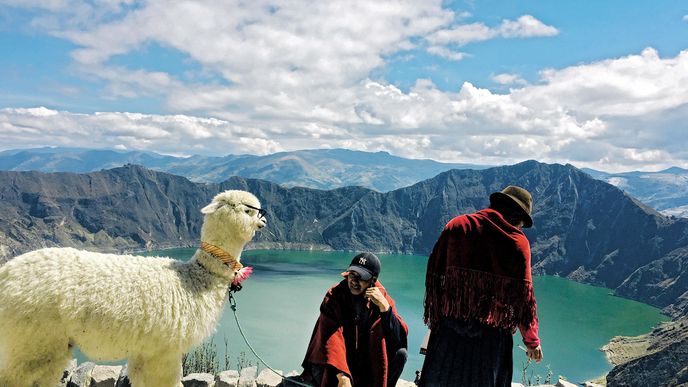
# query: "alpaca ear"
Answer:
x=210 y=208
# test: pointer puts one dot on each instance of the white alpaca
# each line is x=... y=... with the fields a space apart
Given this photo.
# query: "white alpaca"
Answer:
x=147 y=310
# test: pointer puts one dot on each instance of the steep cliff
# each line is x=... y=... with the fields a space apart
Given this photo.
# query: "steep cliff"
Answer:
x=658 y=359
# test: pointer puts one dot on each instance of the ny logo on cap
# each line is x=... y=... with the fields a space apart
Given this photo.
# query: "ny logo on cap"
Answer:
x=362 y=261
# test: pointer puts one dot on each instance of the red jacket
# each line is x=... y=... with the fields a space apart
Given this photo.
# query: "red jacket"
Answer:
x=342 y=344
x=479 y=270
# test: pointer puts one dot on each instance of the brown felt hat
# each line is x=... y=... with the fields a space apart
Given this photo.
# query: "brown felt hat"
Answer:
x=522 y=199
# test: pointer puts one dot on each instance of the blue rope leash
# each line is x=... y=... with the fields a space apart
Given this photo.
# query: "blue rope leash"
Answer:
x=232 y=304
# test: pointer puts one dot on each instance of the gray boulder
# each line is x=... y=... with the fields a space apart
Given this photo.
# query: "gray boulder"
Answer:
x=247 y=377
x=228 y=378
x=123 y=380
x=105 y=376
x=267 y=378
x=198 y=380
x=67 y=373
x=82 y=375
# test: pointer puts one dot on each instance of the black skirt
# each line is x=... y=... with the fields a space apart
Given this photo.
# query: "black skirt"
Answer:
x=468 y=354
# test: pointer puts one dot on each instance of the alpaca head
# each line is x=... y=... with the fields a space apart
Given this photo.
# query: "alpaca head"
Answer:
x=232 y=216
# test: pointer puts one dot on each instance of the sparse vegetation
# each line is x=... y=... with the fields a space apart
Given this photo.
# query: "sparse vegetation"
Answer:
x=205 y=359
x=528 y=378
x=202 y=359
x=243 y=361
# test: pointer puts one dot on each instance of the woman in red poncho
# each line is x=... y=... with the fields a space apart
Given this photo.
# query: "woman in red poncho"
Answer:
x=478 y=291
x=359 y=339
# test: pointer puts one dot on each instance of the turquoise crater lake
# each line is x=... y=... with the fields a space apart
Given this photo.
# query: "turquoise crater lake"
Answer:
x=278 y=306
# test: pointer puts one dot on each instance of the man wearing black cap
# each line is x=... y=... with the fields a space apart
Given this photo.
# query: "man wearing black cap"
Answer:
x=478 y=290
x=359 y=339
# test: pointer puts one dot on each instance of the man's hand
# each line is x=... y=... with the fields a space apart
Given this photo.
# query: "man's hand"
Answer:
x=375 y=295
x=343 y=380
x=535 y=354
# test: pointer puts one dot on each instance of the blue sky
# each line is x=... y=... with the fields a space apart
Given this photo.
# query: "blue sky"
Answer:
x=595 y=84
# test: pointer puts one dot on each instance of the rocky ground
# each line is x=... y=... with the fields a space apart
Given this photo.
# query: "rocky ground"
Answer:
x=659 y=358
x=92 y=375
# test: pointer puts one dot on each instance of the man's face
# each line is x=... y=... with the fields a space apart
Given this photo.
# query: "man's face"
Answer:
x=357 y=286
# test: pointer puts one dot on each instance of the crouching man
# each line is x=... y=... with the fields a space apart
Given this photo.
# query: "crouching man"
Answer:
x=359 y=339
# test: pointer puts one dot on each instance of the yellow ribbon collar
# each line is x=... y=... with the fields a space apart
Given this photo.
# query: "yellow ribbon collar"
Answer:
x=222 y=255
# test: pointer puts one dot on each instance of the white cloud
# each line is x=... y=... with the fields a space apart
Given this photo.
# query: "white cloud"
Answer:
x=525 y=26
x=685 y=17
x=462 y=34
x=446 y=53
x=646 y=156
x=241 y=40
x=170 y=134
x=272 y=61
x=635 y=85
x=509 y=79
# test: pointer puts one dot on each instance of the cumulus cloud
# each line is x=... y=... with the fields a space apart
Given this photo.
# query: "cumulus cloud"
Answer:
x=297 y=74
x=446 y=53
x=172 y=134
x=634 y=85
x=266 y=53
x=463 y=34
x=253 y=43
x=524 y=26
x=509 y=79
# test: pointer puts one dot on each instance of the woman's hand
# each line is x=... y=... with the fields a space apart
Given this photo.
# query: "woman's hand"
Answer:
x=343 y=380
x=375 y=296
x=535 y=354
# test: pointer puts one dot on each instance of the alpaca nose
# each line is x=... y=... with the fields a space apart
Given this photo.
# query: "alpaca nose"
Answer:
x=262 y=222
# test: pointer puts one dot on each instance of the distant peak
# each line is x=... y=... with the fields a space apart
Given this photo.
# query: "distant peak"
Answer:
x=674 y=170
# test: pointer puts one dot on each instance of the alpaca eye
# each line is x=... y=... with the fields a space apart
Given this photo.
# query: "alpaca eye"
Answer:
x=248 y=211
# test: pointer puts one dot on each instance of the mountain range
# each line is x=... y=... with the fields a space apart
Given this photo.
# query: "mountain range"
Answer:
x=316 y=168
x=665 y=191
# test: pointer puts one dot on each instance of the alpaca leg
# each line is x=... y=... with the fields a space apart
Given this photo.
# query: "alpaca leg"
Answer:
x=33 y=361
x=162 y=371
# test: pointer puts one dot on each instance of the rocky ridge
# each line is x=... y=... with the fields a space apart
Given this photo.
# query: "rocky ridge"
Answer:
x=659 y=358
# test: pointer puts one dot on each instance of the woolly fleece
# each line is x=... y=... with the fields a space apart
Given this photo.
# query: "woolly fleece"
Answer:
x=144 y=309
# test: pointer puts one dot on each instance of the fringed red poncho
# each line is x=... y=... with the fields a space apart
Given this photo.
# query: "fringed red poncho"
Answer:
x=479 y=270
x=328 y=342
